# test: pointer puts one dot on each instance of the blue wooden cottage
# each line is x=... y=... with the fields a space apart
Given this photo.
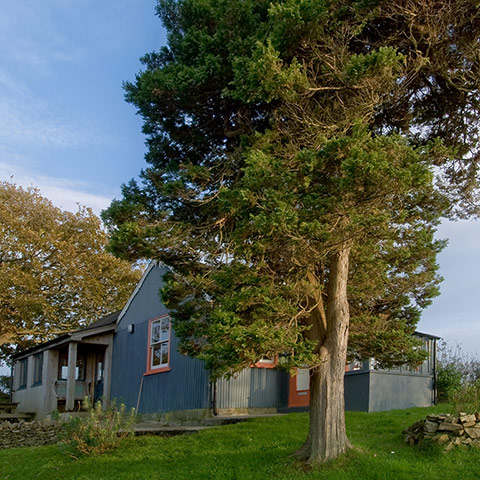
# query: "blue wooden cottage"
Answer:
x=132 y=356
x=150 y=375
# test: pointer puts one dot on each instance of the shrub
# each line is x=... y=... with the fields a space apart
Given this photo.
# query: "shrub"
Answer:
x=5 y=386
x=458 y=379
x=467 y=398
x=99 y=431
x=449 y=381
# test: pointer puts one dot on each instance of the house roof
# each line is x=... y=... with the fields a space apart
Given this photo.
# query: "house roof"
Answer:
x=102 y=325
x=427 y=335
x=108 y=320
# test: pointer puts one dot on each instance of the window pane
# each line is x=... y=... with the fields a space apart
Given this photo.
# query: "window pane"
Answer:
x=164 y=353
x=159 y=341
x=155 y=332
x=156 y=355
x=80 y=368
x=303 y=379
x=38 y=363
x=165 y=329
x=266 y=360
x=99 y=374
x=23 y=373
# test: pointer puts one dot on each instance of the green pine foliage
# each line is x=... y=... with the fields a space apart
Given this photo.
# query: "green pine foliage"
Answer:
x=281 y=133
x=300 y=157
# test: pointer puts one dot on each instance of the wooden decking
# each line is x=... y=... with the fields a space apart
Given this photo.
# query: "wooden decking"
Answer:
x=8 y=407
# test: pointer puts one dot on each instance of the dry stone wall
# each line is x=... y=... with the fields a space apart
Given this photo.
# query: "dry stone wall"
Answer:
x=28 y=434
x=447 y=430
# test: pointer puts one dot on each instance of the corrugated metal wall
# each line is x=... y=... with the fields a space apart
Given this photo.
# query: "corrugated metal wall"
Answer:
x=251 y=388
x=390 y=391
x=184 y=387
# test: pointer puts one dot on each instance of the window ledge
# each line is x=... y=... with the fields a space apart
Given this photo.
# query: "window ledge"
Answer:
x=264 y=365
x=157 y=370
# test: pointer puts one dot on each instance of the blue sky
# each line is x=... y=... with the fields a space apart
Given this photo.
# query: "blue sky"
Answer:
x=65 y=128
x=63 y=122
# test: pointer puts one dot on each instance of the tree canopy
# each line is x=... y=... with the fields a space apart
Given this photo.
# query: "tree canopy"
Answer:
x=55 y=272
x=301 y=155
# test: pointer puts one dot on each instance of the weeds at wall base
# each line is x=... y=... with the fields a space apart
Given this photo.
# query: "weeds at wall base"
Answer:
x=98 y=432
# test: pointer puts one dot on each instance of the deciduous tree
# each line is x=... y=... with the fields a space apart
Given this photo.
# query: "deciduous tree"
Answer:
x=301 y=154
x=5 y=385
x=55 y=272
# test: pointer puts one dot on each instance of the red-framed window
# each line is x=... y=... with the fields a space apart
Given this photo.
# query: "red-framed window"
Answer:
x=158 y=356
x=267 y=362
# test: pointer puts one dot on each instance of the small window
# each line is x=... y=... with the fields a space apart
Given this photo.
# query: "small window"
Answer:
x=23 y=368
x=100 y=368
x=37 y=368
x=159 y=345
x=267 y=362
x=357 y=366
x=303 y=379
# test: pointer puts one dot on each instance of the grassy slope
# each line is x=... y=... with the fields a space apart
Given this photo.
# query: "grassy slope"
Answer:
x=257 y=449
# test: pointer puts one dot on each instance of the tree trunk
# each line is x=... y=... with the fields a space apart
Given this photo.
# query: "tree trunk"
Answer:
x=327 y=438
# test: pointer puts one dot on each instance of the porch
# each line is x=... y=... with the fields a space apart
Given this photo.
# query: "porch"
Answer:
x=83 y=371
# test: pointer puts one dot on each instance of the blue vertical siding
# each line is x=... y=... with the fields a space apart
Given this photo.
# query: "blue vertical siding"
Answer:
x=184 y=387
x=357 y=391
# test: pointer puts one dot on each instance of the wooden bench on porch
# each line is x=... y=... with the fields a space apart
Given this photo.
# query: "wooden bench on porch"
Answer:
x=61 y=393
x=61 y=389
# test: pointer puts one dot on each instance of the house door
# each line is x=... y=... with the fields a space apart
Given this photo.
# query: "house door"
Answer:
x=98 y=389
x=299 y=389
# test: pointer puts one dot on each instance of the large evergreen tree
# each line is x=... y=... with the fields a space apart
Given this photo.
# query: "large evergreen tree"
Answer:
x=301 y=154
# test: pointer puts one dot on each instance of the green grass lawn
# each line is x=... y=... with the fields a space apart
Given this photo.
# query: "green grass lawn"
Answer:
x=256 y=449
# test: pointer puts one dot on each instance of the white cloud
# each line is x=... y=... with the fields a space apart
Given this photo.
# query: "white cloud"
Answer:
x=66 y=194
x=31 y=122
x=37 y=45
x=27 y=120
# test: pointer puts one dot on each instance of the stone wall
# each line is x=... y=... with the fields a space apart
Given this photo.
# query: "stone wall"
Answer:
x=446 y=430
x=28 y=434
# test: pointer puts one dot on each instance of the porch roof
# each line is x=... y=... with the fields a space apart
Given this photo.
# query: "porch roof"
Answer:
x=103 y=325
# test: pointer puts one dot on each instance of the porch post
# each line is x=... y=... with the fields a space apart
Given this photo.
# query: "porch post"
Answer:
x=107 y=369
x=72 y=364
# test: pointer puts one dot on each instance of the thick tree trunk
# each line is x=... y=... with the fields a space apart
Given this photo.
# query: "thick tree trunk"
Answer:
x=327 y=438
